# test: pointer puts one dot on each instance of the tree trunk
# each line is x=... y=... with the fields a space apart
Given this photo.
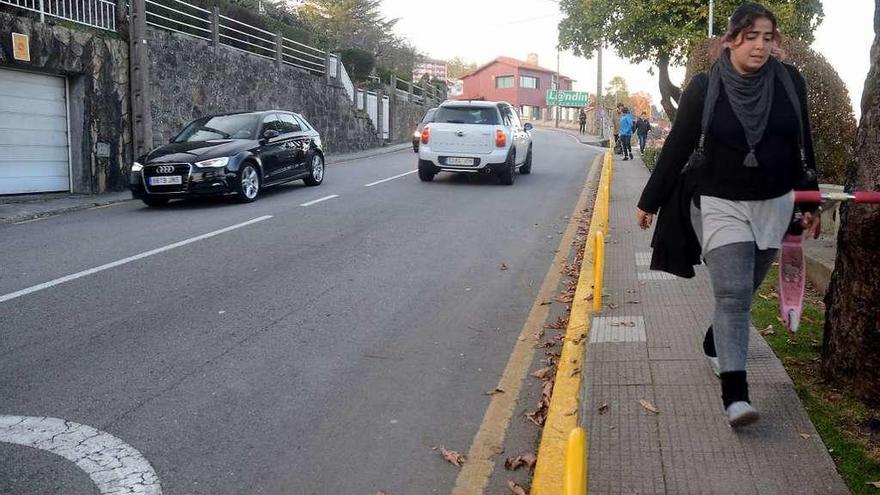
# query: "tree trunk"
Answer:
x=851 y=344
x=668 y=91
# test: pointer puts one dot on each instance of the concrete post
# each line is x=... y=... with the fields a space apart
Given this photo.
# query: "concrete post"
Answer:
x=380 y=114
x=142 y=122
x=279 y=49
x=327 y=67
x=393 y=88
x=409 y=96
x=215 y=29
x=339 y=69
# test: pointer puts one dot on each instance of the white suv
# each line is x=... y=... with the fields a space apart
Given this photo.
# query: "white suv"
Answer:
x=476 y=137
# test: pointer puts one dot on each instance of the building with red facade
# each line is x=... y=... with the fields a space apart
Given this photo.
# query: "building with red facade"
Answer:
x=522 y=84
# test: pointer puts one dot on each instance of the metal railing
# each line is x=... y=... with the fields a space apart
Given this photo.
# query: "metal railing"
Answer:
x=182 y=17
x=99 y=14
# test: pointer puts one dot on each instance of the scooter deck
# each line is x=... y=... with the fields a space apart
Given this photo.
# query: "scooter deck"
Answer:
x=792 y=279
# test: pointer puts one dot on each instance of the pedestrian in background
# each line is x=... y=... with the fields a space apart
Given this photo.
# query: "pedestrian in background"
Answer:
x=642 y=128
x=615 y=121
x=582 y=118
x=626 y=133
x=742 y=137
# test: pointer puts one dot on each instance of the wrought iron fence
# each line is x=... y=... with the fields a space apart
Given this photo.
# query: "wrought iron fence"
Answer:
x=99 y=14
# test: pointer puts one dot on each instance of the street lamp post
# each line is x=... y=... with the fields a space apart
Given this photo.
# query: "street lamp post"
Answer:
x=557 y=87
x=711 y=17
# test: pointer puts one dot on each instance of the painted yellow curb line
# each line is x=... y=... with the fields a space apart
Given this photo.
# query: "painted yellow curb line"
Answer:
x=564 y=410
x=474 y=475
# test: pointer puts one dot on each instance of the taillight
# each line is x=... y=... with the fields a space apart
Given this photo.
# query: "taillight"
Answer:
x=426 y=135
x=500 y=138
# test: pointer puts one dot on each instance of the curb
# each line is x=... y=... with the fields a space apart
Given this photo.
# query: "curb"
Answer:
x=563 y=414
x=818 y=274
x=58 y=211
x=394 y=148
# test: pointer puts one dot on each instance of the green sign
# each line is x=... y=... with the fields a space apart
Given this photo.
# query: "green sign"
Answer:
x=567 y=98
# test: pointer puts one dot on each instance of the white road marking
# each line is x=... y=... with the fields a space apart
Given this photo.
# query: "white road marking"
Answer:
x=390 y=178
x=90 y=271
x=32 y=220
x=325 y=198
x=114 y=466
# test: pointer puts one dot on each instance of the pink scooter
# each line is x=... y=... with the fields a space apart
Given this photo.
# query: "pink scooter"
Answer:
x=792 y=269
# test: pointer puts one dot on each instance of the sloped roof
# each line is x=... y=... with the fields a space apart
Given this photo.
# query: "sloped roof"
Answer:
x=513 y=63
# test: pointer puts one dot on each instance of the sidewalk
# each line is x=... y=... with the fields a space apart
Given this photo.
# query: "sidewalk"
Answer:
x=32 y=206
x=687 y=447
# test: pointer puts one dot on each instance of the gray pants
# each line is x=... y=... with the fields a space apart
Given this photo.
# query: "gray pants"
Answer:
x=737 y=271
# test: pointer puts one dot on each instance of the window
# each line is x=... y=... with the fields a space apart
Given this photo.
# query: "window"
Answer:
x=303 y=123
x=429 y=116
x=528 y=82
x=240 y=126
x=271 y=122
x=467 y=115
x=504 y=82
x=506 y=115
x=289 y=124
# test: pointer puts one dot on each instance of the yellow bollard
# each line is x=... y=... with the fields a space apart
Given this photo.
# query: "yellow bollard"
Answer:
x=598 y=268
x=575 y=482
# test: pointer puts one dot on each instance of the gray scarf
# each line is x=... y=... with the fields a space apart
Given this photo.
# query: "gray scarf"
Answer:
x=751 y=98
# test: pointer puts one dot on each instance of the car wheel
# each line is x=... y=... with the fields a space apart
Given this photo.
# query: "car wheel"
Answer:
x=154 y=201
x=316 y=171
x=507 y=174
x=526 y=167
x=426 y=171
x=248 y=183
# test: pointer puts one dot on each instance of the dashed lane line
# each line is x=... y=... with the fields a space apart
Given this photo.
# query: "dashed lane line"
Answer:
x=123 y=261
x=325 y=198
x=390 y=178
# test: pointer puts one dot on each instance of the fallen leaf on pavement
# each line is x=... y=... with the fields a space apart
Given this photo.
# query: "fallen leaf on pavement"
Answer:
x=541 y=373
x=612 y=306
x=504 y=266
x=647 y=405
x=768 y=331
x=603 y=408
x=805 y=436
x=539 y=334
x=521 y=339
x=514 y=463
x=546 y=303
x=496 y=391
x=875 y=484
x=575 y=372
x=633 y=302
x=570 y=412
x=515 y=488
x=451 y=456
x=628 y=323
x=589 y=297
x=497 y=450
x=631 y=291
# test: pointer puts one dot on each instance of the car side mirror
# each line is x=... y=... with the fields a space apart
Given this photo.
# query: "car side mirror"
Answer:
x=528 y=126
x=269 y=134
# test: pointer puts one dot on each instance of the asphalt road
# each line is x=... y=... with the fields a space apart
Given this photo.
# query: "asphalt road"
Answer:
x=323 y=350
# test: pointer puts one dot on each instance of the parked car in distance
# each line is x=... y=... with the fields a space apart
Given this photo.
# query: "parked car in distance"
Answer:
x=418 y=134
x=475 y=137
x=233 y=153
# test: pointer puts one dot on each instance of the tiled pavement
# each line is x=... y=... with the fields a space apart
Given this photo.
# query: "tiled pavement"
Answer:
x=647 y=346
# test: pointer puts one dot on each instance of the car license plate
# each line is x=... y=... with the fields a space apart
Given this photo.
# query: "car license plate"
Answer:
x=452 y=160
x=166 y=180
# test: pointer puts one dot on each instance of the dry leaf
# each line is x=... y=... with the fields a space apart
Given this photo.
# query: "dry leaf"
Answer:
x=541 y=373
x=612 y=306
x=514 y=463
x=628 y=323
x=504 y=266
x=496 y=391
x=603 y=408
x=515 y=488
x=589 y=297
x=575 y=372
x=768 y=331
x=539 y=334
x=633 y=302
x=570 y=412
x=805 y=436
x=451 y=456
x=521 y=339
x=546 y=303
x=875 y=484
x=647 y=405
x=496 y=450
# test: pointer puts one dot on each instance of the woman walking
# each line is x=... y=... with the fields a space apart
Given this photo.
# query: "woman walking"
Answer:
x=742 y=137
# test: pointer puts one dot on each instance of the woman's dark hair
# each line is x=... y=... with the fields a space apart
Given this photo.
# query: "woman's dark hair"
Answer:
x=744 y=17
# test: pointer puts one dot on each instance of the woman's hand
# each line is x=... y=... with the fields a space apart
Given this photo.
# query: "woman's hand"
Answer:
x=812 y=223
x=644 y=218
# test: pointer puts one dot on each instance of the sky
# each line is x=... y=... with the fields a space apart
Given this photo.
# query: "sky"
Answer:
x=480 y=30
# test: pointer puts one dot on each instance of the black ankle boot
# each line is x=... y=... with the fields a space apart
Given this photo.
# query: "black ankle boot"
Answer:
x=734 y=387
x=709 y=343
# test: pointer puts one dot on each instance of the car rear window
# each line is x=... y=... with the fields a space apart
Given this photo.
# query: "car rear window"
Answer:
x=467 y=115
x=429 y=115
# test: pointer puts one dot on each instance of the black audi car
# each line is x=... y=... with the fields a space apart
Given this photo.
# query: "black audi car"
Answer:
x=235 y=153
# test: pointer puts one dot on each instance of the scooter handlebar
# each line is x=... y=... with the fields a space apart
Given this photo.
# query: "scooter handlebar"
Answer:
x=863 y=197
x=867 y=197
x=807 y=196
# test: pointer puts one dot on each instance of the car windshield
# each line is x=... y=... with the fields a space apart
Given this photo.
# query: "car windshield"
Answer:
x=241 y=126
x=467 y=115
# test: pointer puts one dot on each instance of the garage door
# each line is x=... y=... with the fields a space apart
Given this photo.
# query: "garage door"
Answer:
x=33 y=133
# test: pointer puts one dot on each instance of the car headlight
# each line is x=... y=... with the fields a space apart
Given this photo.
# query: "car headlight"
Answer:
x=136 y=167
x=214 y=162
